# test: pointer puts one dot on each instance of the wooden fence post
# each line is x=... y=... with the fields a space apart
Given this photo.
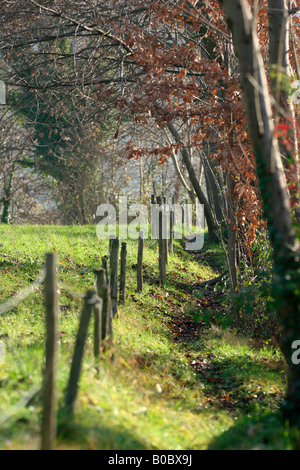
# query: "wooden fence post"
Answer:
x=114 y=274
x=140 y=262
x=123 y=273
x=111 y=237
x=154 y=234
x=161 y=246
x=49 y=386
x=103 y=291
x=104 y=266
x=107 y=335
x=165 y=229
x=172 y=222
x=97 y=327
x=72 y=387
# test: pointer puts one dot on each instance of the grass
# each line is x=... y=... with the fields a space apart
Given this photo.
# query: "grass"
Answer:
x=177 y=378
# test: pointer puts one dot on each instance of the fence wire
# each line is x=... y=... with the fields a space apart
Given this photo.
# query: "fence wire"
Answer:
x=10 y=304
x=20 y=405
x=22 y=294
x=64 y=287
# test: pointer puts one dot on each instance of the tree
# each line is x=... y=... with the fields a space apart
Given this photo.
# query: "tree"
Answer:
x=276 y=200
x=166 y=62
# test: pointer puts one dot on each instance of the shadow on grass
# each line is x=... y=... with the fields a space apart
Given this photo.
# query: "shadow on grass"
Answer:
x=266 y=432
x=241 y=384
x=212 y=255
x=96 y=436
x=21 y=267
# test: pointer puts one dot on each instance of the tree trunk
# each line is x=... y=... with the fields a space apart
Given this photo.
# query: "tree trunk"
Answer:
x=213 y=189
x=273 y=189
x=279 y=50
x=232 y=253
x=210 y=219
x=7 y=199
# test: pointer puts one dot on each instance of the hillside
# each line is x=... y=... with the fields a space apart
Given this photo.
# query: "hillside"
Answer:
x=176 y=378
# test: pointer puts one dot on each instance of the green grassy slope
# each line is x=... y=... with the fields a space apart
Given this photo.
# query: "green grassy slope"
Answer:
x=176 y=379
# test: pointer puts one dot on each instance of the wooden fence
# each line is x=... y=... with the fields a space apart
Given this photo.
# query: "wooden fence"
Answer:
x=100 y=304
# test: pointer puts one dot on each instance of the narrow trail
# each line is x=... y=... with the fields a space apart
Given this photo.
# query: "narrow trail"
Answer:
x=217 y=377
